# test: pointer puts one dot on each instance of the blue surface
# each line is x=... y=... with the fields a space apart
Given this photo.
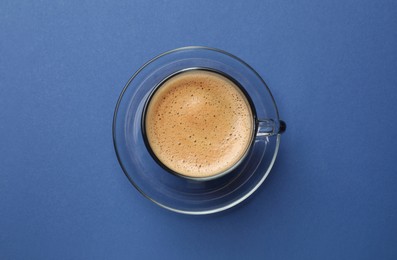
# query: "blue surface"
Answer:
x=331 y=65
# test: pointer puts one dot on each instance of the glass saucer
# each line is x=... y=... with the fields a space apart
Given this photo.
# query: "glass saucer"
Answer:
x=174 y=192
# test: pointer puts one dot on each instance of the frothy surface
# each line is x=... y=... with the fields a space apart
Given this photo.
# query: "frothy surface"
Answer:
x=199 y=123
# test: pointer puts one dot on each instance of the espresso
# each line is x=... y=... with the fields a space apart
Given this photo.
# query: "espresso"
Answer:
x=199 y=123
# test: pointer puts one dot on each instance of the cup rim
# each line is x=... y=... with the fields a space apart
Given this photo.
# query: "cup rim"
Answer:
x=243 y=156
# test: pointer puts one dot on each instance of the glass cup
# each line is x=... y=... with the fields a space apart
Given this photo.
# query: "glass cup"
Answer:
x=175 y=191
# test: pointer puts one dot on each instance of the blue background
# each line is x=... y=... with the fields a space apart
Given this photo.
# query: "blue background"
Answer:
x=331 y=65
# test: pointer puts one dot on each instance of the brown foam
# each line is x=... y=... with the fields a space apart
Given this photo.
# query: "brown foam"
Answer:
x=199 y=123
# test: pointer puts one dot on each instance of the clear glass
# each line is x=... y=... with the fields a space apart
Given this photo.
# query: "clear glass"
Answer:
x=186 y=195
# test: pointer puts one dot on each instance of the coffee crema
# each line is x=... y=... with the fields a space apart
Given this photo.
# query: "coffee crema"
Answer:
x=199 y=124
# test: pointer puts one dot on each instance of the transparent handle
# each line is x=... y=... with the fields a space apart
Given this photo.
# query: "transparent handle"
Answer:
x=269 y=127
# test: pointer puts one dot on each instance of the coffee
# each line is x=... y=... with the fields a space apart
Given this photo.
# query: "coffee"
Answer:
x=199 y=123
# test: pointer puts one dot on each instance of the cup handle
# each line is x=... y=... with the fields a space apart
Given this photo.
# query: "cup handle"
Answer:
x=270 y=127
